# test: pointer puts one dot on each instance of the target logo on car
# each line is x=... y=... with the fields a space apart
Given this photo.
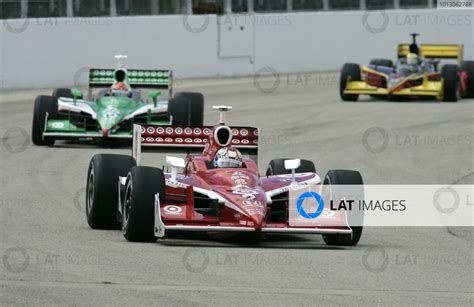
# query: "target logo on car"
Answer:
x=171 y=209
x=58 y=125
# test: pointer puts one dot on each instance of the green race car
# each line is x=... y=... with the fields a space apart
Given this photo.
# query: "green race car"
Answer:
x=113 y=110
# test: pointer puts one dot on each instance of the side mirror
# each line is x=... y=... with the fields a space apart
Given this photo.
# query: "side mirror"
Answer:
x=154 y=96
x=292 y=165
x=76 y=93
x=175 y=163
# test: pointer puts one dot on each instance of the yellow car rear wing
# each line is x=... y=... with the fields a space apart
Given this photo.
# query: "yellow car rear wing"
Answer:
x=434 y=51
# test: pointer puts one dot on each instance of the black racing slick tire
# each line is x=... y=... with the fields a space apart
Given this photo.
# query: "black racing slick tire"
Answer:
x=353 y=178
x=467 y=67
x=43 y=105
x=277 y=167
x=187 y=108
x=349 y=72
x=450 y=75
x=139 y=203
x=102 y=189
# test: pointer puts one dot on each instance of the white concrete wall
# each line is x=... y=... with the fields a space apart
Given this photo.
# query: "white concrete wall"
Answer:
x=56 y=52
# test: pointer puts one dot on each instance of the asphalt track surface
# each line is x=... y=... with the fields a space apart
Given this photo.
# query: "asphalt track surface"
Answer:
x=51 y=257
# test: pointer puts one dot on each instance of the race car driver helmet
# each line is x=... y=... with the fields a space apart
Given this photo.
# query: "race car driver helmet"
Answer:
x=228 y=157
x=120 y=89
x=412 y=59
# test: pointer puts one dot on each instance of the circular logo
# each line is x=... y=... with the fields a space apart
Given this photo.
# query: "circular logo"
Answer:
x=266 y=88
x=369 y=27
x=78 y=197
x=328 y=213
x=441 y=205
x=58 y=125
x=193 y=28
x=172 y=209
x=16 y=259
x=77 y=76
x=16 y=29
x=381 y=145
x=196 y=260
x=15 y=147
x=378 y=259
x=317 y=198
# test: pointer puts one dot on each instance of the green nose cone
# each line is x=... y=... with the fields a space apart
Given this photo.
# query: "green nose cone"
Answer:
x=112 y=110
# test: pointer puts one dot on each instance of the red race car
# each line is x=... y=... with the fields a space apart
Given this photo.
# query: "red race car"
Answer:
x=217 y=190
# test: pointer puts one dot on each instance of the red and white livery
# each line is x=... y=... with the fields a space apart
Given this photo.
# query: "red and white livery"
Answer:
x=195 y=194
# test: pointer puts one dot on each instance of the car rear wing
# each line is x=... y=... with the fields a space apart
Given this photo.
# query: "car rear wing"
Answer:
x=190 y=139
x=434 y=51
x=141 y=78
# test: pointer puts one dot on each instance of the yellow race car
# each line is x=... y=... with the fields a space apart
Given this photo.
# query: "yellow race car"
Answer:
x=415 y=75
